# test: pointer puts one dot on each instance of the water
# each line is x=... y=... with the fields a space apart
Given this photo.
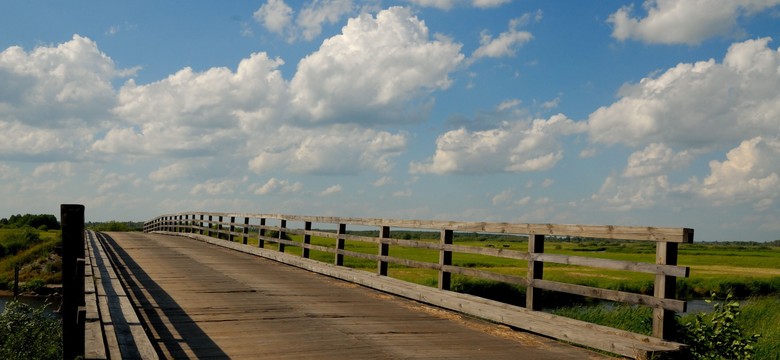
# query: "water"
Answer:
x=32 y=301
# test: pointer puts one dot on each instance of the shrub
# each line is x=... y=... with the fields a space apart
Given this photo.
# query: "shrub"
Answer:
x=717 y=335
x=34 y=285
x=29 y=333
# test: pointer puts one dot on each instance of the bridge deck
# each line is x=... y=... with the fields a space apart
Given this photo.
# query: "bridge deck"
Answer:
x=204 y=301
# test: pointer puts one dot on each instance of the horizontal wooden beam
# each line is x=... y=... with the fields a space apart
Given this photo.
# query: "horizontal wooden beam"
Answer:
x=637 y=233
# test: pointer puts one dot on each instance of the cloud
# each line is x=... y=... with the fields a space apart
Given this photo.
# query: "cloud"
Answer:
x=57 y=87
x=378 y=70
x=449 y=4
x=684 y=22
x=656 y=159
x=749 y=173
x=275 y=15
x=196 y=114
x=694 y=105
x=52 y=99
x=506 y=43
x=384 y=180
x=335 y=189
x=60 y=169
x=316 y=13
x=518 y=146
x=403 y=193
x=503 y=197
x=338 y=149
x=642 y=193
x=278 y=187
x=216 y=187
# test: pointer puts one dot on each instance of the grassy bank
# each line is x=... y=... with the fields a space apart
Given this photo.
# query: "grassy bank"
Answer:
x=33 y=252
x=759 y=315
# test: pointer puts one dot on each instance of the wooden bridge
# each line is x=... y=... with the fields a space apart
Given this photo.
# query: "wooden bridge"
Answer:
x=218 y=285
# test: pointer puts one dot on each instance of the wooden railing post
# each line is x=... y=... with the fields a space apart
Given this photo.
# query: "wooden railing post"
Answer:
x=665 y=287
x=245 y=231
x=73 y=243
x=210 y=232
x=445 y=259
x=535 y=271
x=261 y=234
x=231 y=228
x=384 y=250
x=306 y=239
x=282 y=225
x=339 y=260
x=219 y=227
x=201 y=224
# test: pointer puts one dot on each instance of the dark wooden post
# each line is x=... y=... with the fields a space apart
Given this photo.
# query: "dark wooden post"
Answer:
x=339 y=260
x=231 y=228
x=245 y=231
x=445 y=259
x=306 y=239
x=282 y=225
x=535 y=271
x=260 y=240
x=384 y=250
x=72 y=221
x=665 y=287
x=16 y=281
x=201 y=224
x=219 y=227
x=210 y=218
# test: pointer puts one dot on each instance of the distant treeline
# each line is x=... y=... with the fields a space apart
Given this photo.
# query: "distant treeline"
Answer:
x=42 y=222
x=115 y=226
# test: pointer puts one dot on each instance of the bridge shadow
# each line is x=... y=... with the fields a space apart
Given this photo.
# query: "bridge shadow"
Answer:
x=173 y=332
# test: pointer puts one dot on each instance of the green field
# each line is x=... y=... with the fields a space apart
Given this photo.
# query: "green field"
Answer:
x=746 y=269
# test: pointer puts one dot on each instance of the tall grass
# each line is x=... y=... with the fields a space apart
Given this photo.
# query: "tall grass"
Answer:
x=762 y=316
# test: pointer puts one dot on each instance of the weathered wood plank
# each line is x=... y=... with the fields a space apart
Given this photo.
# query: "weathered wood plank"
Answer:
x=637 y=233
x=238 y=306
x=669 y=270
x=612 y=295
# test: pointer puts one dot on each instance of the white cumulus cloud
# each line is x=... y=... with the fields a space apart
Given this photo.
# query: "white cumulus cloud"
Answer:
x=379 y=69
x=684 y=22
x=693 y=105
x=518 y=146
x=505 y=44
x=275 y=15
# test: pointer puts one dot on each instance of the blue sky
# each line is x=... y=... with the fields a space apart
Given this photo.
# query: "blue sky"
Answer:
x=655 y=113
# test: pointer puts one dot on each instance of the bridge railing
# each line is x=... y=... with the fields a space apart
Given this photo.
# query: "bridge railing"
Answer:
x=259 y=226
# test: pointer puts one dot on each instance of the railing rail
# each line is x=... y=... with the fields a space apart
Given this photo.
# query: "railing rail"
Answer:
x=665 y=267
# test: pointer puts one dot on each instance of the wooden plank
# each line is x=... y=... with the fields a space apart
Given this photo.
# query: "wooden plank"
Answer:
x=94 y=347
x=661 y=269
x=255 y=307
x=612 y=295
x=487 y=275
x=637 y=233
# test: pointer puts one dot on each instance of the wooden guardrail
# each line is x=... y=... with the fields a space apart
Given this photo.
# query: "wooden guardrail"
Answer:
x=665 y=268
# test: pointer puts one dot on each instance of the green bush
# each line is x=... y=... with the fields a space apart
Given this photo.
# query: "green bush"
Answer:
x=717 y=335
x=34 y=286
x=29 y=333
